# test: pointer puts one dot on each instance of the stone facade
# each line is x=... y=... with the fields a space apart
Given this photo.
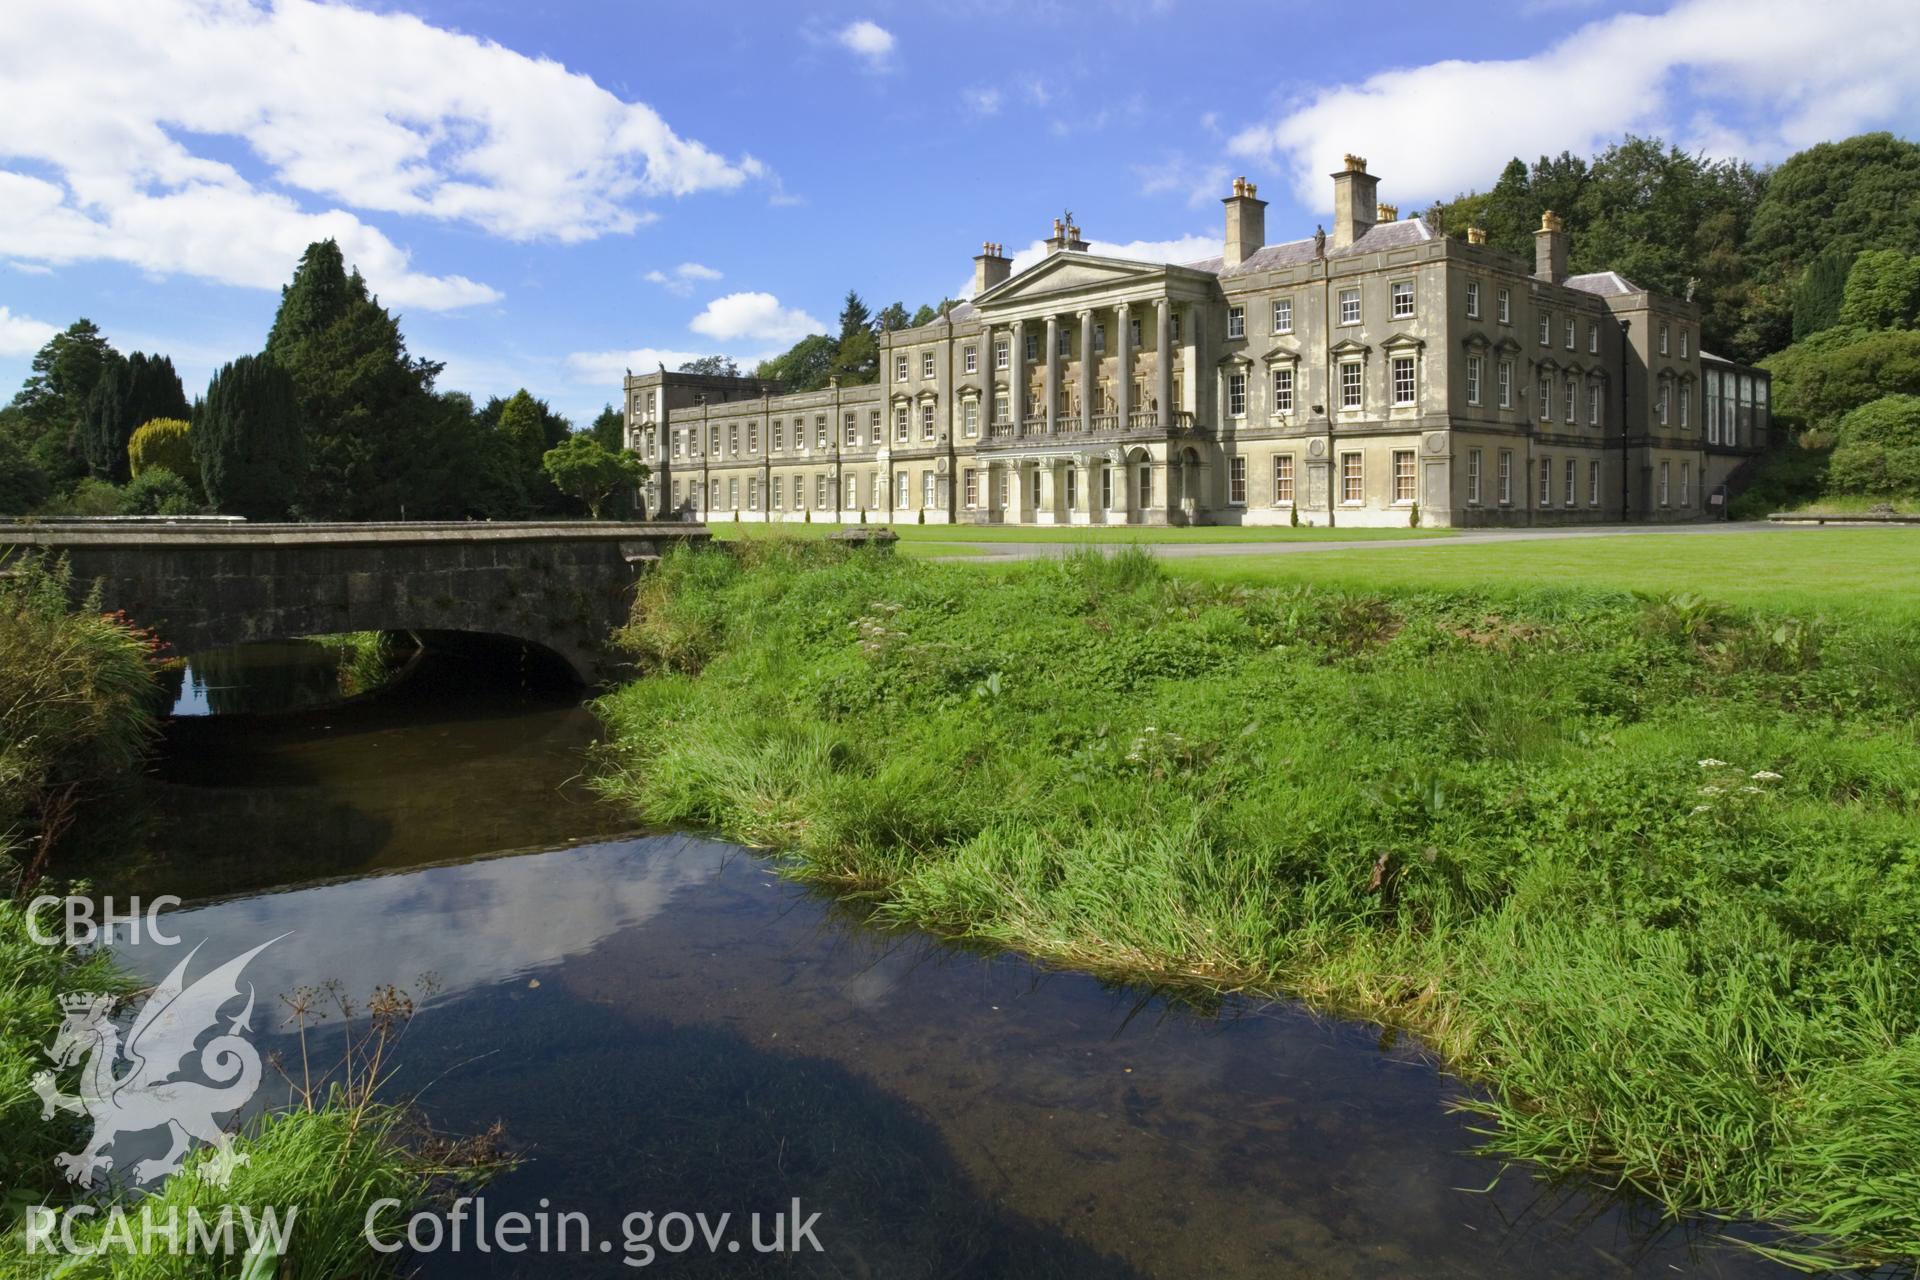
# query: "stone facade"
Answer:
x=1379 y=374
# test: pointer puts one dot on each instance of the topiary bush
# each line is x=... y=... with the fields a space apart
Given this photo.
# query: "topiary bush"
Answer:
x=165 y=442
x=1878 y=449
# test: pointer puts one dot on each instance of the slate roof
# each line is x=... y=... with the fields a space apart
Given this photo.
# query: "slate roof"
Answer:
x=1607 y=284
x=1384 y=235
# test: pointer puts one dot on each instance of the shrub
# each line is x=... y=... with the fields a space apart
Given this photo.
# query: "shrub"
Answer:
x=1878 y=449
x=157 y=491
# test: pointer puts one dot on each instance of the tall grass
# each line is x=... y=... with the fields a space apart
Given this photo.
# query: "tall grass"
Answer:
x=1647 y=868
x=76 y=705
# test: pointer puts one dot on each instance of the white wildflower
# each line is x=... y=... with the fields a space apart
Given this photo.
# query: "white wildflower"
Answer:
x=1766 y=775
x=1711 y=763
x=1752 y=790
x=1711 y=790
x=1703 y=808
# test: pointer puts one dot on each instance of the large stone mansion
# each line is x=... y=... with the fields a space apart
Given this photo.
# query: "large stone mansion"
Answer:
x=1376 y=373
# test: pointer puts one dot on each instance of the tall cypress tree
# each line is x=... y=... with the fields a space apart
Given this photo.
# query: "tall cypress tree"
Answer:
x=247 y=439
x=367 y=406
x=129 y=393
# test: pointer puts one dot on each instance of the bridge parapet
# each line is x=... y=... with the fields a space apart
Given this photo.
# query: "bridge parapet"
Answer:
x=563 y=585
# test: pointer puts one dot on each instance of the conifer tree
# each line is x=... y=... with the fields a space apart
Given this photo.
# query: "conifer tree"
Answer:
x=247 y=439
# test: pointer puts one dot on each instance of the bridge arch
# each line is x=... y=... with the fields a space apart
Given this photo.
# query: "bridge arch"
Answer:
x=561 y=585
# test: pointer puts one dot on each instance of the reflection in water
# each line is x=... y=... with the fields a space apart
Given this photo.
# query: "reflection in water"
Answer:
x=665 y=1025
x=276 y=676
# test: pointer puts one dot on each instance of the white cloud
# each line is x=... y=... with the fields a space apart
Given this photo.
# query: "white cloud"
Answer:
x=22 y=335
x=872 y=42
x=1197 y=183
x=682 y=278
x=757 y=316
x=983 y=101
x=1702 y=72
x=606 y=368
x=379 y=112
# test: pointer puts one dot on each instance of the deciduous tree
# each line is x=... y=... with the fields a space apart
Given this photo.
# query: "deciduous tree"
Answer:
x=582 y=469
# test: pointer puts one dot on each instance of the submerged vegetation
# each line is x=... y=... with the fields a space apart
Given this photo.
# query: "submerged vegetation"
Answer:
x=1647 y=868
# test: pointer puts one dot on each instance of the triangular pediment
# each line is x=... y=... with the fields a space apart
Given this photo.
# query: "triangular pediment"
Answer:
x=1066 y=273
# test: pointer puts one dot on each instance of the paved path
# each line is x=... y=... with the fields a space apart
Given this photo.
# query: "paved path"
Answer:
x=989 y=551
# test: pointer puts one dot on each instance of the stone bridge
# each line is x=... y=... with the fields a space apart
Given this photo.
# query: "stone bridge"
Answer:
x=203 y=583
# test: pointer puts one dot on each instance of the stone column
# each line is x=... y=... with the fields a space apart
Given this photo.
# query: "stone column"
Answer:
x=1163 y=373
x=1017 y=376
x=988 y=373
x=1087 y=369
x=1123 y=369
x=1190 y=357
x=1052 y=387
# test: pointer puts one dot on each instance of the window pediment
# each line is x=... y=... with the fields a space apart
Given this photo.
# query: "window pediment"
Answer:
x=1349 y=347
x=1281 y=355
x=1403 y=342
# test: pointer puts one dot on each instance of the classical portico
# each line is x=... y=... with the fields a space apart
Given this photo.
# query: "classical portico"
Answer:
x=1087 y=436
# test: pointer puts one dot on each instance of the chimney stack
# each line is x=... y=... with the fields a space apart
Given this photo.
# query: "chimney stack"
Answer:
x=1386 y=213
x=1550 y=249
x=1065 y=236
x=1476 y=235
x=1246 y=222
x=1355 y=201
x=991 y=266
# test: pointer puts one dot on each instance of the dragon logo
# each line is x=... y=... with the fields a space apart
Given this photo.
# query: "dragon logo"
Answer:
x=164 y=1039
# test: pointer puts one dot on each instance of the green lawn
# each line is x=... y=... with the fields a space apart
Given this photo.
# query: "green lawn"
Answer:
x=956 y=533
x=1867 y=571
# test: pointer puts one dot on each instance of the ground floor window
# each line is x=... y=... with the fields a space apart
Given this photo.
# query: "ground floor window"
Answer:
x=1546 y=482
x=926 y=488
x=1073 y=487
x=733 y=494
x=1237 y=481
x=900 y=492
x=1663 y=483
x=713 y=499
x=1002 y=485
x=820 y=491
x=1106 y=488
x=971 y=488
x=1473 y=477
x=1593 y=483
x=1506 y=477
x=1352 y=490
x=1403 y=475
x=1686 y=482
x=1146 y=485
x=1283 y=480
x=753 y=493
x=1573 y=483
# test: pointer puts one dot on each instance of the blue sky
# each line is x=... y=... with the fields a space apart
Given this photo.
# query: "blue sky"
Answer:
x=548 y=193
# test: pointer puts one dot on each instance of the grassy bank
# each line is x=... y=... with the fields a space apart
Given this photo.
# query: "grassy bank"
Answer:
x=1649 y=869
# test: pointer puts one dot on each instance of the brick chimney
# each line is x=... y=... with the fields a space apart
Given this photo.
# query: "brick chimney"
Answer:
x=1550 y=249
x=991 y=266
x=1246 y=222
x=1355 y=201
x=1065 y=236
